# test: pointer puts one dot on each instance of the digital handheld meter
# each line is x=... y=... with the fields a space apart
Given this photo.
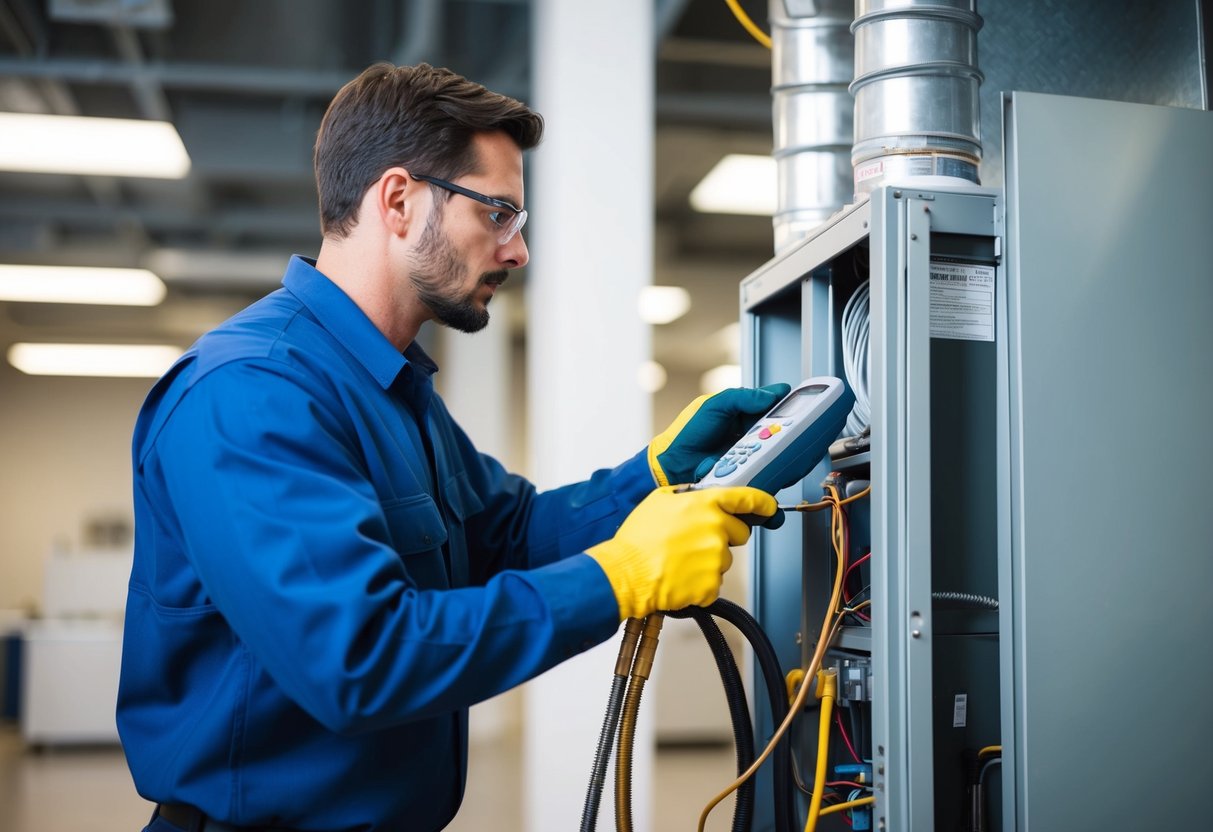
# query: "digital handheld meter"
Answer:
x=787 y=443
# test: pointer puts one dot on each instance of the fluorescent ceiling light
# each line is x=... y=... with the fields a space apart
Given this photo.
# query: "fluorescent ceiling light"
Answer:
x=111 y=360
x=739 y=184
x=217 y=266
x=719 y=378
x=663 y=304
x=91 y=146
x=651 y=376
x=80 y=284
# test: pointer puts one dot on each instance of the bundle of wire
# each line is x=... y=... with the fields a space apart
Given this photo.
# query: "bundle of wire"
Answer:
x=833 y=621
x=856 y=361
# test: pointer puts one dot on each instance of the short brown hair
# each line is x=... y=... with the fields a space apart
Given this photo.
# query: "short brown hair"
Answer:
x=420 y=117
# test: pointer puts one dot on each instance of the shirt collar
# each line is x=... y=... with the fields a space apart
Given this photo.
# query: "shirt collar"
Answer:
x=341 y=317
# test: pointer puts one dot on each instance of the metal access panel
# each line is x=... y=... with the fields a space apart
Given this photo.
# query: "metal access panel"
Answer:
x=931 y=522
x=1109 y=704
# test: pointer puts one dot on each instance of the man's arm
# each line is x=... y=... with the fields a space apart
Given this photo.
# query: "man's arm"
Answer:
x=519 y=529
x=276 y=515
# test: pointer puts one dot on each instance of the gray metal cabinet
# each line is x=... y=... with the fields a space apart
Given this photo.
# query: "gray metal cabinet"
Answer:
x=1046 y=451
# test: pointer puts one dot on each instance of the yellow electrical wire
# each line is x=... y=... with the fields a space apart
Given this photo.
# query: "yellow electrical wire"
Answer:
x=749 y=25
x=827 y=683
x=850 y=804
x=989 y=749
x=856 y=496
x=829 y=628
x=828 y=502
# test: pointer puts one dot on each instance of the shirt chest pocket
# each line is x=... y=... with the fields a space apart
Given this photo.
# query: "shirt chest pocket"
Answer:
x=463 y=503
x=418 y=535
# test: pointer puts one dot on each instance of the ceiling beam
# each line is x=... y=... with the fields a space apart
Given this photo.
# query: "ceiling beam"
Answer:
x=147 y=93
x=251 y=80
x=233 y=222
x=715 y=109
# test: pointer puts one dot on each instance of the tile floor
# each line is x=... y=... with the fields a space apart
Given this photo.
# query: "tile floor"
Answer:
x=90 y=790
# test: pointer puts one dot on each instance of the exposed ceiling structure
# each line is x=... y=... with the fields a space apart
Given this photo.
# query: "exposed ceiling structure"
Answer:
x=245 y=84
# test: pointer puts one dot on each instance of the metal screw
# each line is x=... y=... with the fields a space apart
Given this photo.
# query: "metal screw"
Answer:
x=799 y=637
x=916 y=633
x=913 y=236
x=896 y=194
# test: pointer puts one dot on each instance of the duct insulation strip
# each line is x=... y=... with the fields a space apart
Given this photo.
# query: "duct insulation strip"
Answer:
x=812 y=112
x=916 y=91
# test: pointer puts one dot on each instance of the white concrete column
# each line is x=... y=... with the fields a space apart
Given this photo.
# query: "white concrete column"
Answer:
x=476 y=380
x=591 y=239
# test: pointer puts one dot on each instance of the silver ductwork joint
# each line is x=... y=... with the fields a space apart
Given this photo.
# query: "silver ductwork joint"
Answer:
x=812 y=62
x=916 y=91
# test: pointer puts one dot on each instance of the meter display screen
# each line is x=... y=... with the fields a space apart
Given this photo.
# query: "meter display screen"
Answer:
x=798 y=402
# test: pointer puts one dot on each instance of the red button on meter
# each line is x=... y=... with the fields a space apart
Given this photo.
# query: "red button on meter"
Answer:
x=764 y=434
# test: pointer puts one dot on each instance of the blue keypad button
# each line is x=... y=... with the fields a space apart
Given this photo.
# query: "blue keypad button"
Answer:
x=724 y=468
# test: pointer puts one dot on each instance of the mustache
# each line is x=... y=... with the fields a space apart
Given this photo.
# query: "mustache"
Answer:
x=496 y=278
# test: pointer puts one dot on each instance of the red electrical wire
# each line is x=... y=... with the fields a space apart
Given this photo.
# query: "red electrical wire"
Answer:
x=845 y=738
x=847 y=574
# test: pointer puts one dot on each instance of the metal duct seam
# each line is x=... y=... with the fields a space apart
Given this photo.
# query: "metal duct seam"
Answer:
x=812 y=113
x=916 y=88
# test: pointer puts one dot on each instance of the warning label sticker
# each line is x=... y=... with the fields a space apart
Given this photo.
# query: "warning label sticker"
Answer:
x=960 y=710
x=962 y=301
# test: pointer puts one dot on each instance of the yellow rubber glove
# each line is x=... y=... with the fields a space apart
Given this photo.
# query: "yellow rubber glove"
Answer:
x=673 y=549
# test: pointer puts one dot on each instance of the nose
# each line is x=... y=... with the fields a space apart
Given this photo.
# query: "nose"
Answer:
x=514 y=254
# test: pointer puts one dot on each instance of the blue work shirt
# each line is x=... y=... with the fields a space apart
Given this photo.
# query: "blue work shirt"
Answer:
x=327 y=574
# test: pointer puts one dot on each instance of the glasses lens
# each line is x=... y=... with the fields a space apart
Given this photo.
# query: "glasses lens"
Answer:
x=512 y=227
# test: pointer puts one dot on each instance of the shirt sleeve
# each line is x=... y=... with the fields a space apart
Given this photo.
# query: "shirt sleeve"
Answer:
x=289 y=541
x=518 y=528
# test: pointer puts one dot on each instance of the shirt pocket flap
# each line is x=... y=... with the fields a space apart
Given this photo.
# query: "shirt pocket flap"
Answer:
x=461 y=497
x=415 y=524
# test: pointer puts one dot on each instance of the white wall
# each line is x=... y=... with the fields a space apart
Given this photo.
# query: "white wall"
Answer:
x=65 y=457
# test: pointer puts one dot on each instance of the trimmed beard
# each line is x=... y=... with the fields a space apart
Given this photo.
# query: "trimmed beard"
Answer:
x=437 y=275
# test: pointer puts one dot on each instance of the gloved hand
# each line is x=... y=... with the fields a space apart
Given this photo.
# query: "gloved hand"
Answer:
x=705 y=429
x=673 y=549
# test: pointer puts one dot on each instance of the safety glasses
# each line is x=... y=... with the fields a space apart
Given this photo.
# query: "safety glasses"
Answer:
x=507 y=219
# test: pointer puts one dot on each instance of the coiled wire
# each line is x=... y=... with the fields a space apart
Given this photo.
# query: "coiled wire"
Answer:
x=856 y=359
x=966 y=599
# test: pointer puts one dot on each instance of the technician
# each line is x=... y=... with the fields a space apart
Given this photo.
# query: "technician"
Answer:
x=327 y=573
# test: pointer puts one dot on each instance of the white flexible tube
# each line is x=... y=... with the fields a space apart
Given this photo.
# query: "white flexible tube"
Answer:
x=856 y=361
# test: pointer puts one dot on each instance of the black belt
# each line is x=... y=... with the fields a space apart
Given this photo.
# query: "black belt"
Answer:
x=193 y=820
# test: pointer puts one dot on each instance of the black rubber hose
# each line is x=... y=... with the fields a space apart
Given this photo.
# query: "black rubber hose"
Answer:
x=739 y=711
x=768 y=663
x=606 y=739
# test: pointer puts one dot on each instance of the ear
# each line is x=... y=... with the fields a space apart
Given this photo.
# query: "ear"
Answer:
x=394 y=195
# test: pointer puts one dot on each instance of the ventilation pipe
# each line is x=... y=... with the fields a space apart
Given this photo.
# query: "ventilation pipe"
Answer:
x=916 y=85
x=812 y=61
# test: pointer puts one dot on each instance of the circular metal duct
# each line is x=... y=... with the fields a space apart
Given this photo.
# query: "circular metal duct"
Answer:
x=812 y=61
x=916 y=91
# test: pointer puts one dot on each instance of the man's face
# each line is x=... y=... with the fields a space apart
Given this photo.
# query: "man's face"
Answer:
x=458 y=262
